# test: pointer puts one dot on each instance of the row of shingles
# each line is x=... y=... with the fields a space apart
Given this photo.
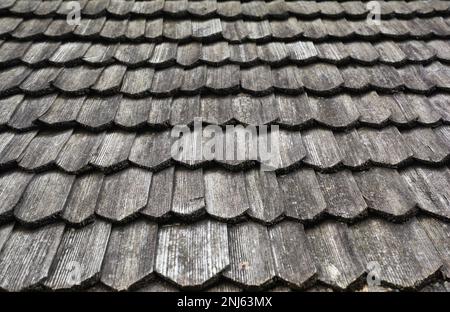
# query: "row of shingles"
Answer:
x=96 y=114
x=215 y=29
x=228 y=9
x=188 y=194
x=235 y=147
x=319 y=78
x=44 y=54
x=253 y=256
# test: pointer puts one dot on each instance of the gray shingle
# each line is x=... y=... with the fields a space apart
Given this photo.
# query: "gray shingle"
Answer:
x=225 y=194
x=188 y=193
x=192 y=255
x=124 y=270
x=386 y=192
x=303 y=198
x=80 y=205
x=337 y=260
x=27 y=255
x=404 y=253
x=123 y=194
x=44 y=197
x=79 y=258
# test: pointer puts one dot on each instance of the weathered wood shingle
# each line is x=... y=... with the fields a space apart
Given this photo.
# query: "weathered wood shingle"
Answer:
x=27 y=255
x=130 y=256
x=192 y=255
x=79 y=258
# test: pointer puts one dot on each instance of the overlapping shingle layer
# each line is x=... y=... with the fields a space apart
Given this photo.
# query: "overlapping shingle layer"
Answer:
x=93 y=197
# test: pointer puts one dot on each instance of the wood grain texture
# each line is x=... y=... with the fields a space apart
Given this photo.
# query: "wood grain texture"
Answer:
x=337 y=260
x=343 y=197
x=29 y=110
x=82 y=200
x=386 y=146
x=114 y=150
x=78 y=151
x=43 y=150
x=386 y=192
x=97 y=113
x=322 y=150
x=430 y=186
x=404 y=253
x=12 y=186
x=251 y=258
x=161 y=192
x=130 y=256
x=225 y=194
x=44 y=197
x=79 y=258
x=123 y=194
x=27 y=255
x=151 y=150
x=303 y=198
x=264 y=196
x=438 y=232
x=292 y=257
x=189 y=192
x=192 y=255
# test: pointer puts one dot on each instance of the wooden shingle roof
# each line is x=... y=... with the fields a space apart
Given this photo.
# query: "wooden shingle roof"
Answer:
x=88 y=177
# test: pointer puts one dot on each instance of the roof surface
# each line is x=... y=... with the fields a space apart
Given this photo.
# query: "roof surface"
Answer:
x=91 y=196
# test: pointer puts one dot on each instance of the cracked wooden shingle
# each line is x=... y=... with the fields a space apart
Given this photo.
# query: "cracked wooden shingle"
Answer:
x=11 y=78
x=264 y=196
x=251 y=258
x=77 y=80
x=137 y=82
x=354 y=152
x=254 y=111
x=438 y=232
x=8 y=106
x=188 y=193
x=294 y=111
x=336 y=112
x=161 y=192
x=63 y=111
x=110 y=79
x=13 y=148
x=426 y=145
x=133 y=113
x=134 y=54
